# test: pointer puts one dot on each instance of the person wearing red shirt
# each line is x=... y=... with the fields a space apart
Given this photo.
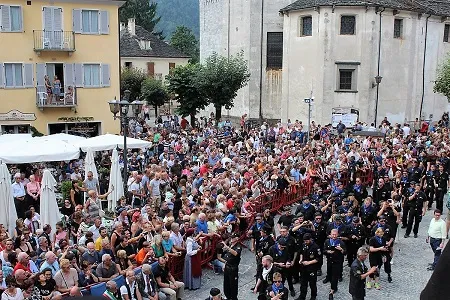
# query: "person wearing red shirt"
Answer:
x=204 y=168
x=23 y=263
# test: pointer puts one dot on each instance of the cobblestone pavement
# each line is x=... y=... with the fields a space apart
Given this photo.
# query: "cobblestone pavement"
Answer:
x=409 y=273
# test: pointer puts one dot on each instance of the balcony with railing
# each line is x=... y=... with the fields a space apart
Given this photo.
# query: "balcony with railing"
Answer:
x=62 y=97
x=62 y=41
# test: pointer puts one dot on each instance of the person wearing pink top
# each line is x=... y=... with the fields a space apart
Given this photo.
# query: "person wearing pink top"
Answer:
x=33 y=193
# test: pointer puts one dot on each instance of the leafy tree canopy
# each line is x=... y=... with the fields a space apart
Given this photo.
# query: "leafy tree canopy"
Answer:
x=442 y=84
x=131 y=79
x=154 y=92
x=144 y=12
x=184 y=40
x=220 y=78
x=182 y=83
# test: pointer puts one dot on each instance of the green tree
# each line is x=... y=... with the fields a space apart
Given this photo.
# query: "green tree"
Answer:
x=442 y=83
x=184 y=40
x=144 y=11
x=154 y=92
x=182 y=84
x=131 y=79
x=220 y=78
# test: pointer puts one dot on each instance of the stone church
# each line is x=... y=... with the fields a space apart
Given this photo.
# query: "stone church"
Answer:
x=376 y=57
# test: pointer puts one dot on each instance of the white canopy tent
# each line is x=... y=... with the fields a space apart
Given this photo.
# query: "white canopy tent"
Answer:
x=110 y=142
x=68 y=138
x=115 y=182
x=6 y=138
x=49 y=207
x=89 y=164
x=8 y=214
x=37 y=150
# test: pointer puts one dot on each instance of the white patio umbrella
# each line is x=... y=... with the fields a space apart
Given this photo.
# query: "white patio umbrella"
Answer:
x=89 y=164
x=115 y=181
x=8 y=214
x=49 y=207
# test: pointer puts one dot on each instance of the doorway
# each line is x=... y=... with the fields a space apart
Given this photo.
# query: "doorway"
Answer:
x=56 y=69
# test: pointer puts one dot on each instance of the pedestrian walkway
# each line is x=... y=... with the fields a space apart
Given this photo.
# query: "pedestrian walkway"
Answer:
x=409 y=272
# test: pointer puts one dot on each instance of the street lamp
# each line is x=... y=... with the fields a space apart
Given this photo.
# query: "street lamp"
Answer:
x=120 y=110
x=309 y=101
x=377 y=82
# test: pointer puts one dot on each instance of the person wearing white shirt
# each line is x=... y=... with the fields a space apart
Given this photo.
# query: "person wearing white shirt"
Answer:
x=147 y=284
x=437 y=233
x=129 y=290
x=406 y=130
x=76 y=175
x=19 y=196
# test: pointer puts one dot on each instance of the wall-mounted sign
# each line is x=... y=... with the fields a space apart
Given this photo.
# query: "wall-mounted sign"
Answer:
x=15 y=115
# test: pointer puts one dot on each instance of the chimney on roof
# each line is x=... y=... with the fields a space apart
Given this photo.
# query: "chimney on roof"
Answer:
x=122 y=26
x=132 y=26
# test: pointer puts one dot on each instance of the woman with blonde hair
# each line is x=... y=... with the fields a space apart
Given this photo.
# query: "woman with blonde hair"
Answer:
x=379 y=254
x=123 y=262
x=158 y=247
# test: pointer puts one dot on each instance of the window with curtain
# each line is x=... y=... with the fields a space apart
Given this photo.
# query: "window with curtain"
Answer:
x=90 y=21
x=16 y=18
x=13 y=75
x=91 y=75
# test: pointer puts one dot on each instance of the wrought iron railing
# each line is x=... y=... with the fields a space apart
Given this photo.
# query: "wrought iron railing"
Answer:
x=45 y=40
x=67 y=97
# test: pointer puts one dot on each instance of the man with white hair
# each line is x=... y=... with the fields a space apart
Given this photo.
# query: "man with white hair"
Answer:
x=107 y=269
x=18 y=189
x=23 y=263
x=50 y=263
x=147 y=284
x=111 y=290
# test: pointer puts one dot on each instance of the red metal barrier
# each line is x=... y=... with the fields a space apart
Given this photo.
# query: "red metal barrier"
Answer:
x=176 y=266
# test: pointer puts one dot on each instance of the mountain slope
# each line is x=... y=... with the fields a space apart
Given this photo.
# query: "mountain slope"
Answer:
x=176 y=13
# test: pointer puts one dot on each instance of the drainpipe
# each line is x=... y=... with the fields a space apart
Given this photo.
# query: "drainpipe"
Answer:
x=261 y=62
x=228 y=33
x=378 y=70
x=423 y=66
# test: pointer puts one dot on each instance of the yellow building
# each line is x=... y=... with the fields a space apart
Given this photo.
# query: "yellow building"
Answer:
x=73 y=43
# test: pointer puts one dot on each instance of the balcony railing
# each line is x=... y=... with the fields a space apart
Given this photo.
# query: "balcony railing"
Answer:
x=54 y=41
x=67 y=97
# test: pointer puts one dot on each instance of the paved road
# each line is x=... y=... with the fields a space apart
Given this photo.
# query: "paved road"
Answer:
x=409 y=273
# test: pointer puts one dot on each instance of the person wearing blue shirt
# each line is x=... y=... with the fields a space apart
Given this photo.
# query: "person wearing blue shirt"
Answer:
x=295 y=173
x=202 y=225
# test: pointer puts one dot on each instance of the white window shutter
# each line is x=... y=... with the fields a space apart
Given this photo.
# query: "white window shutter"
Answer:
x=6 y=18
x=69 y=75
x=104 y=22
x=79 y=75
x=106 y=75
x=76 y=16
x=28 y=78
x=2 y=76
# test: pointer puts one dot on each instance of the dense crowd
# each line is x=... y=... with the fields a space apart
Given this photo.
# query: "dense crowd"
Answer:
x=198 y=186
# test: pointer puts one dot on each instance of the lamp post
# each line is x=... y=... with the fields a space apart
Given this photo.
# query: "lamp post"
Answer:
x=309 y=101
x=122 y=108
x=377 y=82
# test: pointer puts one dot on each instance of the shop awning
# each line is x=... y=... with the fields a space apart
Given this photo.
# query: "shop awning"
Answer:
x=110 y=142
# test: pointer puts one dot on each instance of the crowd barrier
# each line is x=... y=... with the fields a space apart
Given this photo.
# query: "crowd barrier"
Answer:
x=273 y=201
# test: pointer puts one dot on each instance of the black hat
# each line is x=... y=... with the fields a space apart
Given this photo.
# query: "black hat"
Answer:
x=412 y=182
x=235 y=235
x=355 y=219
x=267 y=229
x=282 y=242
x=381 y=217
x=214 y=292
x=351 y=194
x=338 y=218
x=306 y=236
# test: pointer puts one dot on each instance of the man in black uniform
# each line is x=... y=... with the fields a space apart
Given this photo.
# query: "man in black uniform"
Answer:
x=415 y=173
x=263 y=245
x=418 y=207
x=232 y=257
x=286 y=219
x=283 y=254
x=356 y=233
x=358 y=275
x=359 y=190
x=298 y=230
x=442 y=180
x=406 y=204
x=319 y=236
x=309 y=262
x=381 y=192
x=335 y=251
x=306 y=209
x=430 y=181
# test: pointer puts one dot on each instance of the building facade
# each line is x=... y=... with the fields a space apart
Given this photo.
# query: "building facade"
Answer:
x=255 y=28
x=334 y=51
x=54 y=75
x=145 y=51
x=337 y=52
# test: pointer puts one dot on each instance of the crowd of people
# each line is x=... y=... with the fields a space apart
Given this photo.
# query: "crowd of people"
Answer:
x=198 y=186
